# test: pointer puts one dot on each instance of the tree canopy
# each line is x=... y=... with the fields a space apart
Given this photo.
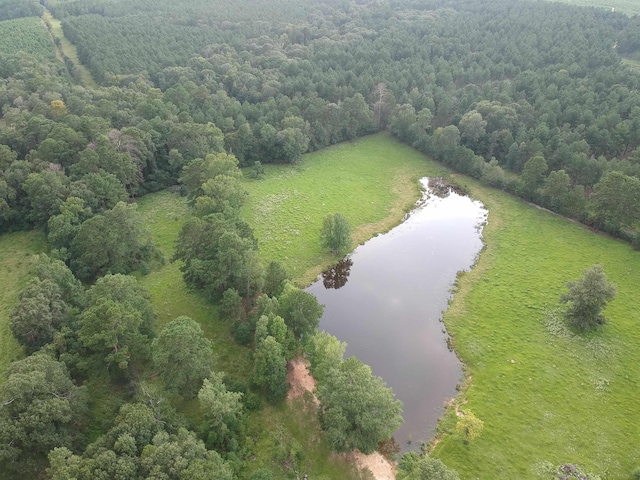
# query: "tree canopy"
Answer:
x=586 y=298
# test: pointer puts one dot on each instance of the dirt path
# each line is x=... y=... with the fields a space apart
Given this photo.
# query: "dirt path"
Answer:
x=301 y=381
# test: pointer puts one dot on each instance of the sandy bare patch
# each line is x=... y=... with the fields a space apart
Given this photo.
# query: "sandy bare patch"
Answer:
x=300 y=380
x=379 y=466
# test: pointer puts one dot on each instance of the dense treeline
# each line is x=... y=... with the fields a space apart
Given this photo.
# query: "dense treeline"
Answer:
x=533 y=98
x=19 y=8
x=526 y=80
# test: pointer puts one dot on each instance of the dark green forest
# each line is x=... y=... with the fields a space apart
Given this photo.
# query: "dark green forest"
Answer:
x=529 y=97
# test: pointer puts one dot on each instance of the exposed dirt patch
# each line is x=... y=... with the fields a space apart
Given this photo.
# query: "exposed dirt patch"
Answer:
x=379 y=466
x=300 y=380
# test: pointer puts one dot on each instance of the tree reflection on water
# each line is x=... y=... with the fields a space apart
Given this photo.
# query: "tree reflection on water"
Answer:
x=337 y=276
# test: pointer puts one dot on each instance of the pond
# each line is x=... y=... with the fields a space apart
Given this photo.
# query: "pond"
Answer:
x=386 y=301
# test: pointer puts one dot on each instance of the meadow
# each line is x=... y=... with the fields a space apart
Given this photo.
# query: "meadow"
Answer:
x=27 y=35
x=547 y=395
x=373 y=182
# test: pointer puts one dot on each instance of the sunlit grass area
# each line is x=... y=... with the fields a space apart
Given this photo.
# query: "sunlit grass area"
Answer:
x=546 y=395
x=373 y=182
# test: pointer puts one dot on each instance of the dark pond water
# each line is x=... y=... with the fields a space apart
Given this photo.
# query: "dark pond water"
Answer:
x=386 y=301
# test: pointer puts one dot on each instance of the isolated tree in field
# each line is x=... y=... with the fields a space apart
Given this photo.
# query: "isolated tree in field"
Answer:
x=39 y=406
x=587 y=297
x=469 y=426
x=336 y=233
x=183 y=356
x=358 y=409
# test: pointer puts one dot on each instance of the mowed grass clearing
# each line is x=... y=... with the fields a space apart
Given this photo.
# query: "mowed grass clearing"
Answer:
x=17 y=259
x=372 y=181
x=546 y=395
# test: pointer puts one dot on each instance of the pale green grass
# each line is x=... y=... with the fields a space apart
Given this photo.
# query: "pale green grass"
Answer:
x=17 y=252
x=371 y=181
x=564 y=398
x=69 y=49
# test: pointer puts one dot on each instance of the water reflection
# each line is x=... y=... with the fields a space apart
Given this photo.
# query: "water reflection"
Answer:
x=337 y=276
x=389 y=311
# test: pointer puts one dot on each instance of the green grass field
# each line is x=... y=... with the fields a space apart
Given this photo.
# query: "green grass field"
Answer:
x=630 y=7
x=371 y=181
x=28 y=35
x=566 y=398
x=17 y=252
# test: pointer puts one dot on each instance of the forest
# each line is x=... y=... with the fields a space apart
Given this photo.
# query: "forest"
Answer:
x=533 y=98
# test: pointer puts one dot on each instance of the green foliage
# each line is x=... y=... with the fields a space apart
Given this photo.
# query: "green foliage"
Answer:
x=26 y=35
x=219 y=253
x=182 y=356
x=40 y=410
x=113 y=242
x=336 y=233
x=117 y=323
x=223 y=411
x=275 y=277
x=39 y=314
x=270 y=370
x=231 y=305
x=587 y=297
x=358 y=409
x=300 y=310
x=469 y=426
x=414 y=466
x=138 y=446
x=325 y=353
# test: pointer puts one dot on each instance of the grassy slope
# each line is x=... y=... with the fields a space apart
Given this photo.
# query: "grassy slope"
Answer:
x=69 y=49
x=16 y=262
x=371 y=181
x=574 y=399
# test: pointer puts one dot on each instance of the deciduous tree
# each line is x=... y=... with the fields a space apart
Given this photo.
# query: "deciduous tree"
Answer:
x=587 y=297
x=183 y=356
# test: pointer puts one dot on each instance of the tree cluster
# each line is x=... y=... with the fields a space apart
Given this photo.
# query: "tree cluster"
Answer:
x=357 y=409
